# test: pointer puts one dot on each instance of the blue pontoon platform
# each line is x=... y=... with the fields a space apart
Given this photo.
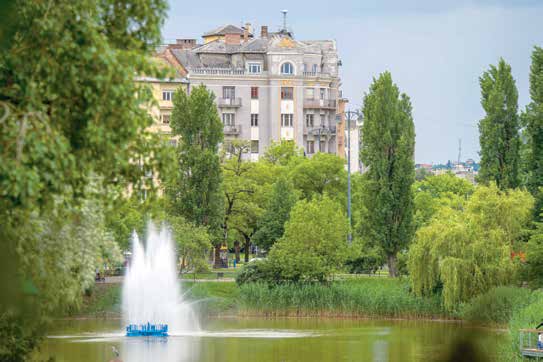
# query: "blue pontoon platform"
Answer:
x=147 y=330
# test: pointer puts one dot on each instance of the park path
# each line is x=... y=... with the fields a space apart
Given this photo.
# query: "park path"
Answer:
x=119 y=280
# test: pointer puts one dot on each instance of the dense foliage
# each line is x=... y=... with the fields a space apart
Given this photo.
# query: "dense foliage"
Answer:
x=314 y=243
x=388 y=146
x=534 y=131
x=499 y=129
x=468 y=250
x=72 y=122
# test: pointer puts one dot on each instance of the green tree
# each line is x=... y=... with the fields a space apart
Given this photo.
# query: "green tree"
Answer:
x=388 y=145
x=272 y=224
x=238 y=190
x=534 y=131
x=193 y=244
x=314 y=243
x=534 y=257
x=195 y=193
x=499 y=129
x=322 y=173
x=283 y=152
x=436 y=191
x=71 y=115
x=468 y=250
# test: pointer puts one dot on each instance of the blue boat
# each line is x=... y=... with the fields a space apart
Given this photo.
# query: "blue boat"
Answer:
x=147 y=330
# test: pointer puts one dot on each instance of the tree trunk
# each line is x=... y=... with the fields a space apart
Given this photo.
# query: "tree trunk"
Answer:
x=217 y=262
x=236 y=248
x=392 y=265
x=247 y=247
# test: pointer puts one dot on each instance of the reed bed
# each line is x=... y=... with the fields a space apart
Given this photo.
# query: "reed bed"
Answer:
x=361 y=298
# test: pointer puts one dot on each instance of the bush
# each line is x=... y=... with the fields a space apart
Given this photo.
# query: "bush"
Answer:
x=497 y=305
x=527 y=317
x=365 y=264
x=314 y=243
x=257 y=271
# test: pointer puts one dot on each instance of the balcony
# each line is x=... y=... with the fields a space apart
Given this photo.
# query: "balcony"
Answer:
x=217 y=71
x=321 y=130
x=229 y=102
x=232 y=130
x=315 y=74
x=315 y=103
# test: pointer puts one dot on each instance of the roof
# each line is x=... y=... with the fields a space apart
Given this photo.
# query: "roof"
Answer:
x=225 y=29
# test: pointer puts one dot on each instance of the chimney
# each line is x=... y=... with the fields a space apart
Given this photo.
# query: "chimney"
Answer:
x=264 y=31
x=183 y=44
x=232 y=39
x=246 y=31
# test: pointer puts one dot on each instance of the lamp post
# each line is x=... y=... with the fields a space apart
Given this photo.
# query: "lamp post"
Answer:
x=350 y=115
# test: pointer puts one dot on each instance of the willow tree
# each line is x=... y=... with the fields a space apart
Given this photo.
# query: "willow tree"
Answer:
x=499 y=130
x=195 y=191
x=388 y=144
x=468 y=250
x=534 y=130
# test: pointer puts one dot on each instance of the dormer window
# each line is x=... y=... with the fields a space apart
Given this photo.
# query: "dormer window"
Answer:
x=287 y=68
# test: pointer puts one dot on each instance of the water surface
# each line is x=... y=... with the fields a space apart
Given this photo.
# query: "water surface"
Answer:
x=263 y=340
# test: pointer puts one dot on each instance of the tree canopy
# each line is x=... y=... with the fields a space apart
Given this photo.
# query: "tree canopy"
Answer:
x=499 y=130
x=388 y=146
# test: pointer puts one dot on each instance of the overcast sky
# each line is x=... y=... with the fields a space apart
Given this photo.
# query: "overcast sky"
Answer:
x=435 y=50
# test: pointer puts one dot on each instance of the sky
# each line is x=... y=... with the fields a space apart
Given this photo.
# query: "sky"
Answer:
x=435 y=49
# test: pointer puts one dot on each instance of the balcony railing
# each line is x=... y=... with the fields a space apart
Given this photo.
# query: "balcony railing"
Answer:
x=319 y=103
x=229 y=102
x=321 y=130
x=218 y=71
x=316 y=74
x=232 y=129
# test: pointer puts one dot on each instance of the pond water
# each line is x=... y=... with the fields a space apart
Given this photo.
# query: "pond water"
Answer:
x=262 y=340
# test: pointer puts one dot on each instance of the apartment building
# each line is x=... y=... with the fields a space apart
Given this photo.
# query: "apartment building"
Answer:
x=269 y=87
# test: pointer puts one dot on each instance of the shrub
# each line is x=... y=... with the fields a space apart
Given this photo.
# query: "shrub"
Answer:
x=314 y=244
x=497 y=305
x=257 y=271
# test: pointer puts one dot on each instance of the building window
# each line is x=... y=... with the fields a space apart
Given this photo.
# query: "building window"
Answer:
x=323 y=119
x=287 y=68
x=228 y=92
x=322 y=145
x=254 y=92
x=254 y=120
x=309 y=120
x=254 y=68
x=310 y=147
x=305 y=67
x=309 y=93
x=166 y=119
x=167 y=95
x=286 y=119
x=254 y=146
x=228 y=119
x=287 y=93
x=314 y=69
x=323 y=92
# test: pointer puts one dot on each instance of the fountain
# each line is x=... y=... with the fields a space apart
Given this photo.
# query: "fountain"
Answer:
x=152 y=304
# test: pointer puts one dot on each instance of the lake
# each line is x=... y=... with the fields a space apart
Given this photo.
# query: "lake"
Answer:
x=263 y=340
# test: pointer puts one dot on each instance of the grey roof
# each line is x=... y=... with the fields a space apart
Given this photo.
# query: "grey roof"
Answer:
x=187 y=58
x=225 y=29
x=254 y=46
x=217 y=46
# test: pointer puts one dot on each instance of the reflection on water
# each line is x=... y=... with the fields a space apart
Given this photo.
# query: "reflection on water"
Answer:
x=267 y=340
x=173 y=349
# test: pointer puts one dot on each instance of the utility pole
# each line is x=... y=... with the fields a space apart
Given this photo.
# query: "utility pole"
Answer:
x=350 y=116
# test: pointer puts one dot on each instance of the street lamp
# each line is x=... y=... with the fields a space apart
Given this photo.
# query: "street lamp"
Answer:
x=350 y=116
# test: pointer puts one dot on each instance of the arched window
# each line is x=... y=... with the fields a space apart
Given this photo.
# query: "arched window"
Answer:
x=287 y=68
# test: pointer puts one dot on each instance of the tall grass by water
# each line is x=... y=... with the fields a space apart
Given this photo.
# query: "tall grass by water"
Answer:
x=368 y=297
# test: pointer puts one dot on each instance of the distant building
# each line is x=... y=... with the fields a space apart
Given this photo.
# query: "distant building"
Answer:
x=268 y=88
